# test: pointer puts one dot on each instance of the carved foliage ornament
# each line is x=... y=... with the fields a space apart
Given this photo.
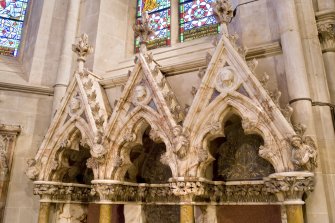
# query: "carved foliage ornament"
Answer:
x=62 y=192
x=223 y=11
x=142 y=29
x=290 y=187
x=327 y=35
x=82 y=48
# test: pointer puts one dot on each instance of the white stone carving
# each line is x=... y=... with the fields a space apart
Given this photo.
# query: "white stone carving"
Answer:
x=226 y=80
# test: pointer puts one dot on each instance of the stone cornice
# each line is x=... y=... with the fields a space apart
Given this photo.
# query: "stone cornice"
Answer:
x=326 y=29
x=186 y=191
x=25 y=88
x=191 y=65
x=10 y=129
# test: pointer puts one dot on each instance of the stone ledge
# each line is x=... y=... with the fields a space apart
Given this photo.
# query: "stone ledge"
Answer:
x=30 y=89
x=194 y=61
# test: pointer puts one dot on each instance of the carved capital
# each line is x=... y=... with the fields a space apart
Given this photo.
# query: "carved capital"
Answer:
x=327 y=35
x=290 y=186
x=326 y=28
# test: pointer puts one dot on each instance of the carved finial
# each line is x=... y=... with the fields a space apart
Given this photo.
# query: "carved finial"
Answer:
x=143 y=30
x=82 y=49
x=223 y=12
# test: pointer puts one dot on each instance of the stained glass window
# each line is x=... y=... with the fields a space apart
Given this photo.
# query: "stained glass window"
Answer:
x=12 y=13
x=160 y=17
x=196 y=19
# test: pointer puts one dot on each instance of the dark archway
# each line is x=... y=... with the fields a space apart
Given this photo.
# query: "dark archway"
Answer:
x=147 y=168
x=236 y=155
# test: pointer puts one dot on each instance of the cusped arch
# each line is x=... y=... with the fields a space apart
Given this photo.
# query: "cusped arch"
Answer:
x=130 y=135
x=66 y=135
x=254 y=121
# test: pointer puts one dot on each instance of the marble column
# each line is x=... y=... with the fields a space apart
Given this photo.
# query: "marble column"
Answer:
x=294 y=214
x=289 y=188
x=326 y=28
x=186 y=214
x=66 y=58
x=71 y=213
x=325 y=4
x=323 y=196
x=105 y=213
x=43 y=215
x=295 y=67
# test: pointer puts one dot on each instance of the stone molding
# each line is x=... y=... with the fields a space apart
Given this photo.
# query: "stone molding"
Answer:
x=26 y=88
x=278 y=189
x=57 y=192
x=184 y=191
x=326 y=29
x=180 y=67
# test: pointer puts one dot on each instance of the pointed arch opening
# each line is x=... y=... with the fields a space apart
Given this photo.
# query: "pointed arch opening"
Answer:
x=70 y=161
x=236 y=154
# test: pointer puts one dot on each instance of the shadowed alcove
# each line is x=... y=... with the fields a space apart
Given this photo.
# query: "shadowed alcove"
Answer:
x=148 y=168
x=236 y=159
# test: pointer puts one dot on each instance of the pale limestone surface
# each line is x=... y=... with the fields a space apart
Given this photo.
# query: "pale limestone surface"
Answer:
x=108 y=24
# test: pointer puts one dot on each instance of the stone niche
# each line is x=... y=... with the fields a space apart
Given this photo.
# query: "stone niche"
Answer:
x=236 y=155
x=71 y=165
x=8 y=135
x=147 y=168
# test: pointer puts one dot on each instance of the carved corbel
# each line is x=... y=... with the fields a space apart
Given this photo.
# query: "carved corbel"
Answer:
x=33 y=170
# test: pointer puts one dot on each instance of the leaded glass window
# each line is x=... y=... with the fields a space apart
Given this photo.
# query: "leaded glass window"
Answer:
x=196 y=19
x=12 y=13
x=160 y=16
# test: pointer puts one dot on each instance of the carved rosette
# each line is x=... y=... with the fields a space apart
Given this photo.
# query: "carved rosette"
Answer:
x=187 y=189
x=141 y=95
x=227 y=80
x=327 y=35
x=289 y=187
x=61 y=192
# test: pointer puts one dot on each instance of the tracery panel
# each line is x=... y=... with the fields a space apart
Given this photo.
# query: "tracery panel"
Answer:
x=160 y=19
x=12 y=14
x=196 y=19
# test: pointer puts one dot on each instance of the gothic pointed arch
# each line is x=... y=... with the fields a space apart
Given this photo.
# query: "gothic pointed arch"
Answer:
x=230 y=87
x=82 y=116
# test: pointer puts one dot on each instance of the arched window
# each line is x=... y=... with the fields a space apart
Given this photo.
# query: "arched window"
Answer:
x=160 y=15
x=12 y=13
x=196 y=19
